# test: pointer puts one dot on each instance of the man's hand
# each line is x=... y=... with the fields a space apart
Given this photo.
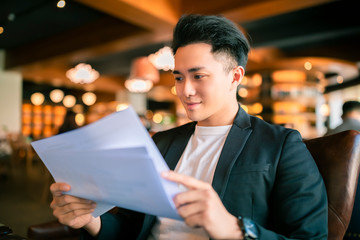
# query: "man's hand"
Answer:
x=73 y=211
x=201 y=206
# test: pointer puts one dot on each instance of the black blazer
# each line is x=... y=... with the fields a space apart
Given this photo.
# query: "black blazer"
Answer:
x=264 y=173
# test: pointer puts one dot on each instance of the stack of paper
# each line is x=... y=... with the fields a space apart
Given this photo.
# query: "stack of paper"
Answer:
x=113 y=162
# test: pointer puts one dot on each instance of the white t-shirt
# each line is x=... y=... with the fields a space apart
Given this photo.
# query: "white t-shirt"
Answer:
x=198 y=160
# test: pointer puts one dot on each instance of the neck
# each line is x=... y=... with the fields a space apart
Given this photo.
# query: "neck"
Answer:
x=353 y=115
x=225 y=117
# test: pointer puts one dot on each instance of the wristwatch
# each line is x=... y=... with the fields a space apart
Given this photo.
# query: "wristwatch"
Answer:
x=248 y=228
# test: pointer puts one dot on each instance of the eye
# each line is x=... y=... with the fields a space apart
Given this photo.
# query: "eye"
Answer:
x=178 y=78
x=198 y=76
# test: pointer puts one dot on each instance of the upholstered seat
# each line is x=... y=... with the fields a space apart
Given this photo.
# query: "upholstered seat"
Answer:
x=52 y=230
x=337 y=157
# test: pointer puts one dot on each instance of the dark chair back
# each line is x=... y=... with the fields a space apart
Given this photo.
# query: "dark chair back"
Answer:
x=338 y=157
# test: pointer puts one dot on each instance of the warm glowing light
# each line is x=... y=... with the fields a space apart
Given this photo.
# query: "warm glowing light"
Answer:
x=257 y=108
x=325 y=110
x=138 y=85
x=26 y=108
x=82 y=73
x=173 y=90
x=59 y=110
x=80 y=119
x=256 y=79
x=121 y=106
x=308 y=66
x=157 y=118
x=243 y=92
x=244 y=81
x=61 y=4
x=288 y=76
x=69 y=101
x=89 y=98
x=37 y=98
x=1 y=30
x=26 y=130
x=288 y=107
x=163 y=59
x=56 y=95
x=339 y=79
x=47 y=131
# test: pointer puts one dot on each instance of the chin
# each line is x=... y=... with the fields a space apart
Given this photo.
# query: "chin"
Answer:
x=191 y=116
x=195 y=117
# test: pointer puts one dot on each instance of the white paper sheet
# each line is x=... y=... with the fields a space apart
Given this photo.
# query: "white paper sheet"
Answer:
x=114 y=162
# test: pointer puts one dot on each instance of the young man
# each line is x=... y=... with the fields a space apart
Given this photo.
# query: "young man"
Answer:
x=245 y=178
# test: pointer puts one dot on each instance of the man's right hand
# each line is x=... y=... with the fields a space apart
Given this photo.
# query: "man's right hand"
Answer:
x=73 y=211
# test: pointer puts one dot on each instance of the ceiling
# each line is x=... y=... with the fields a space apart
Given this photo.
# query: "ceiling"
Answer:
x=43 y=41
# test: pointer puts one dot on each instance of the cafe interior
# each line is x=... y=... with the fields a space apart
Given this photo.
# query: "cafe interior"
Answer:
x=99 y=57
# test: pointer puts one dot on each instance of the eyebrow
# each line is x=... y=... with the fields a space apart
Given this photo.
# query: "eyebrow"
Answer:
x=195 y=69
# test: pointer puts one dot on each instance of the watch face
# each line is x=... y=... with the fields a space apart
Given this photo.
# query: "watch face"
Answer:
x=250 y=228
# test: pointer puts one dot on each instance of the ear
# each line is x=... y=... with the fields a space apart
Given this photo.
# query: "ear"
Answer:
x=238 y=74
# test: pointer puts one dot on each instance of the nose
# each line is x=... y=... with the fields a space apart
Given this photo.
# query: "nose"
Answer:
x=188 y=88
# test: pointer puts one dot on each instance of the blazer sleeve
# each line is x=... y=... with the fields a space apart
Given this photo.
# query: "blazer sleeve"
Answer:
x=298 y=201
x=125 y=224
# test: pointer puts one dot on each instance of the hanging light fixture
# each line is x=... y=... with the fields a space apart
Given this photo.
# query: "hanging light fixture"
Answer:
x=69 y=101
x=143 y=75
x=89 y=98
x=163 y=59
x=37 y=98
x=56 y=95
x=138 y=85
x=61 y=4
x=82 y=73
x=80 y=119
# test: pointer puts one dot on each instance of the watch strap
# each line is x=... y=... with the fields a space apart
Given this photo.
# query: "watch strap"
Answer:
x=244 y=229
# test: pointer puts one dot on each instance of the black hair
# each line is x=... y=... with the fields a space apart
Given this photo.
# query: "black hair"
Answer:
x=350 y=106
x=218 y=31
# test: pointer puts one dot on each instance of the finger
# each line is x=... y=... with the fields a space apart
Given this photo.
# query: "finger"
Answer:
x=67 y=199
x=71 y=217
x=187 y=181
x=78 y=209
x=192 y=196
x=189 y=210
x=194 y=221
x=57 y=189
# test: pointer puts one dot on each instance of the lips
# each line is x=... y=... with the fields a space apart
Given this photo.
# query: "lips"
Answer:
x=192 y=105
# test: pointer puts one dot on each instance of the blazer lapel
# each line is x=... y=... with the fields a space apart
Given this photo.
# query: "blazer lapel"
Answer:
x=234 y=144
x=178 y=146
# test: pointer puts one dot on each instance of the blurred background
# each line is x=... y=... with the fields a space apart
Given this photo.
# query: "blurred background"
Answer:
x=97 y=57
x=303 y=63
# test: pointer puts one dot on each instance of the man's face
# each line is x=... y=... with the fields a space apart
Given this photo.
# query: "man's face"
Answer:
x=357 y=115
x=205 y=89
